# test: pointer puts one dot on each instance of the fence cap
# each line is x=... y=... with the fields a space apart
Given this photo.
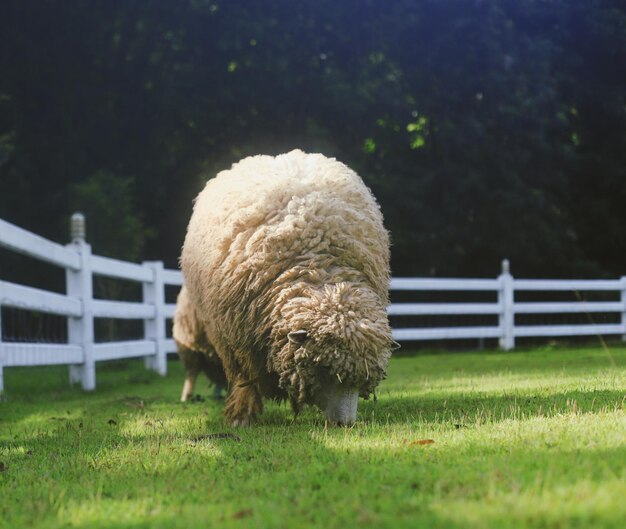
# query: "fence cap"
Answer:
x=506 y=267
x=78 y=227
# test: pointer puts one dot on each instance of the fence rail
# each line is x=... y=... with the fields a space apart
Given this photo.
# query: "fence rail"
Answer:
x=81 y=352
x=506 y=308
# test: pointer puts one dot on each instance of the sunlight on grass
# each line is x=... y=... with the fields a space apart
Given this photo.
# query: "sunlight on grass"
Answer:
x=584 y=503
x=527 y=439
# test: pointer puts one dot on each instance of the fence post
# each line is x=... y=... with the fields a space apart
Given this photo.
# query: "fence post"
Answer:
x=623 y=299
x=505 y=299
x=79 y=284
x=154 y=329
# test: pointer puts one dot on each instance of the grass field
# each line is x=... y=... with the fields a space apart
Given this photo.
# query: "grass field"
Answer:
x=473 y=440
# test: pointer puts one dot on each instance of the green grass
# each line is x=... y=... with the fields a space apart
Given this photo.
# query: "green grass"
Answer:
x=523 y=439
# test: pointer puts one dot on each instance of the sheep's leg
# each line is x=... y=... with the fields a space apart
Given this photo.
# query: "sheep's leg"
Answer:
x=217 y=390
x=188 y=385
x=243 y=404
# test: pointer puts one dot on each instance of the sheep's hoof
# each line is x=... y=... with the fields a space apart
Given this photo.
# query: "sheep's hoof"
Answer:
x=242 y=422
x=243 y=405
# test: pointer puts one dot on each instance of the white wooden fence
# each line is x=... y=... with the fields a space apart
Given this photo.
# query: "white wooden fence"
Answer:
x=505 y=308
x=81 y=352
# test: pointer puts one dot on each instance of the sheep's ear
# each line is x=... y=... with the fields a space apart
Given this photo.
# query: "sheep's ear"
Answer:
x=298 y=337
x=395 y=345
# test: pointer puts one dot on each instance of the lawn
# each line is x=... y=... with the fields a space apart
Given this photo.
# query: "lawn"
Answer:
x=460 y=440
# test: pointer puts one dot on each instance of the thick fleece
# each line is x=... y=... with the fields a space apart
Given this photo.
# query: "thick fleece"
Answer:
x=286 y=262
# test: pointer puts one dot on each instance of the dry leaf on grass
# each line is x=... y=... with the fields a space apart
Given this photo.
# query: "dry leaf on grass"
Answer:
x=243 y=513
x=420 y=442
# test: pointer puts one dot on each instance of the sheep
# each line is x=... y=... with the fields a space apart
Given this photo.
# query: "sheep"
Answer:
x=286 y=264
x=194 y=350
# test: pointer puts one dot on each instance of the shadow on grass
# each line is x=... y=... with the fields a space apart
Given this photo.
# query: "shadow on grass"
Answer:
x=461 y=410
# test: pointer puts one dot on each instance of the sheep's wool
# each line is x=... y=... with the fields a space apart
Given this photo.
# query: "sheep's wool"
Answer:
x=284 y=244
x=187 y=328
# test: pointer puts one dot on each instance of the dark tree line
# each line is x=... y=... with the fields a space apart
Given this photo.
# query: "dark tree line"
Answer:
x=487 y=129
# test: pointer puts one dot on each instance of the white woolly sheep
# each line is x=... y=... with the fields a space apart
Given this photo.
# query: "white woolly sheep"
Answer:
x=286 y=264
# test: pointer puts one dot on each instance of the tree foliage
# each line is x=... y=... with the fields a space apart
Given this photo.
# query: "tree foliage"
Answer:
x=487 y=129
x=115 y=227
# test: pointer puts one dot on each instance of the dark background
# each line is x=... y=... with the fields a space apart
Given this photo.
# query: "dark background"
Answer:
x=486 y=129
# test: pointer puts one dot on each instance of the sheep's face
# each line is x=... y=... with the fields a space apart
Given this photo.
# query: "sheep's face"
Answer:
x=335 y=348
